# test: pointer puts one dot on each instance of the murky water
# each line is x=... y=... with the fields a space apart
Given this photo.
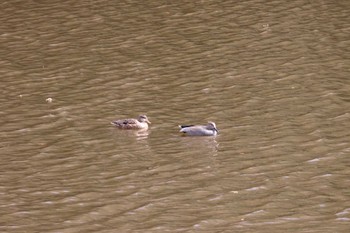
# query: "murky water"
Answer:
x=274 y=76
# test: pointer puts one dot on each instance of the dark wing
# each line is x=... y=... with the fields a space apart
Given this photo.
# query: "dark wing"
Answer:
x=185 y=126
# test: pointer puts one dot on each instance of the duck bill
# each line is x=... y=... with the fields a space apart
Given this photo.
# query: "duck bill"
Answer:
x=148 y=122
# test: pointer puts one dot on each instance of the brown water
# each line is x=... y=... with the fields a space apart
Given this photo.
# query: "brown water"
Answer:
x=273 y=75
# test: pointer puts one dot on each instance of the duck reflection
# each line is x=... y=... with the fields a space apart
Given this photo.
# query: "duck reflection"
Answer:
x=139 y=135
x=201 y=143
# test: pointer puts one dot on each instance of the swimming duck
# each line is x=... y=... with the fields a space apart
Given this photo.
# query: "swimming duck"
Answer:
x=199 y=130
x=140 y=123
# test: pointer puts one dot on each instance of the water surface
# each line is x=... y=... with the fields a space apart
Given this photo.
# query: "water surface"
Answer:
x=272 y=75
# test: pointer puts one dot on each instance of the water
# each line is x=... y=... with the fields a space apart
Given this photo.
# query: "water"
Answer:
x=273 y=77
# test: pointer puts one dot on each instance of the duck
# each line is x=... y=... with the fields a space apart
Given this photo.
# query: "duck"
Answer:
x=199 y=130
x=141 y=122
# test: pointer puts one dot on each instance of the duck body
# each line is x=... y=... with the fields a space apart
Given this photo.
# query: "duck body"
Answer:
x=199 y=130
x=140 y=123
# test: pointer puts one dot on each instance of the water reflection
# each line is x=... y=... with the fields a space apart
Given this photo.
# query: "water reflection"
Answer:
x=200 y=144
x=138 y=135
